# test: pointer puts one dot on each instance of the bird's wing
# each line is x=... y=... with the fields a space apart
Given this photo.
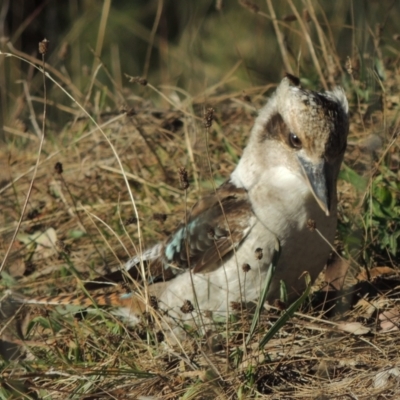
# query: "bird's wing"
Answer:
x=216 y=225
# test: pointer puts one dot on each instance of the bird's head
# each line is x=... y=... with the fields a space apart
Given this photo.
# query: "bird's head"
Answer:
x=309 y=131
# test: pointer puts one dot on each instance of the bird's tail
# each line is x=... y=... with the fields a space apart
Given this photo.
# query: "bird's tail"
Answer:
x=131 y=301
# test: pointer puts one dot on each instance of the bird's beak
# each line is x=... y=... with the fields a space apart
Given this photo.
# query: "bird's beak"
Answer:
x=319 y=180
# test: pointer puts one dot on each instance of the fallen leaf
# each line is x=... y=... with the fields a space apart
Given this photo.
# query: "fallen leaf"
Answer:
x=382 y=378
x=374 y=272
x=356 y=328
x=366 y=308
x=43 y=244
x=390 y=320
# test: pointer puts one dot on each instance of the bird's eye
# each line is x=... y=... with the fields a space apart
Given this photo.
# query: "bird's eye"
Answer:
x=294 y=141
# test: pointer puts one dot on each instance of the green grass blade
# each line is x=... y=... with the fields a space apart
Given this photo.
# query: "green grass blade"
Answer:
x=285 y=316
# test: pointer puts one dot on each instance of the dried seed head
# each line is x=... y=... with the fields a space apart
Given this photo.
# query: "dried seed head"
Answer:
x=43 y=46
x=208 y=117
x=29 y=267
x=246 y=267
x=236 y=306
x=258 y=253
x=183 y=178
x=128 y=110
x=289 y=18
x=130 y=220
x=153 y=301
x=63 y=247
x=137 y=79
x=113 y=339
x=160 y=336
x=160 y=217
x=280 y=304
x=187 y=307
x=311 y=225
x=250 y=5
x=247 y=98
x=33 y=213
x=306 y=15
x=58 y=168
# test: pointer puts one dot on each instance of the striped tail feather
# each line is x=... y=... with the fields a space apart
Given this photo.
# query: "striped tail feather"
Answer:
x=126 y=303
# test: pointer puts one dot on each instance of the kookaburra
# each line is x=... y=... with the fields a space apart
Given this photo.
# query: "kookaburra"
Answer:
x=285 y=181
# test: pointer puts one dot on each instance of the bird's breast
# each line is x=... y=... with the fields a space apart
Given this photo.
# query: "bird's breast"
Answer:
x=281 y=200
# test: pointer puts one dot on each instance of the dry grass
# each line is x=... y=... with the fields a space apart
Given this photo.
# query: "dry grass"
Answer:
x=87 y=211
